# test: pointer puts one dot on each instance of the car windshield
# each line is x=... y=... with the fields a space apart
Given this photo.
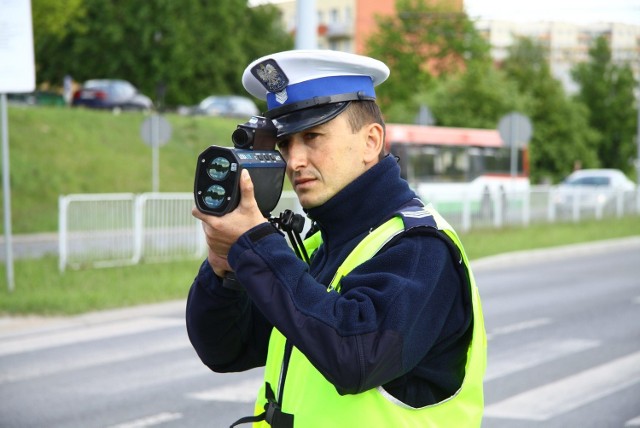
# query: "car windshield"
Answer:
x=589 y=181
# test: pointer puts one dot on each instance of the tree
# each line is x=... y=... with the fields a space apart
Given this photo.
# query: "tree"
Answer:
x=562 y=138
x=607 y=90
x=52 y=21
x=475 y=98
x=193 y=48
x=422 y=41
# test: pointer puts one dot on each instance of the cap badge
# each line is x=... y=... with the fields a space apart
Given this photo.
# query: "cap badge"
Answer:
x=270 y=75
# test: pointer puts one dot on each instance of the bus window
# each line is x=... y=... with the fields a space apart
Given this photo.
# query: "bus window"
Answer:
x=451 y=164
x=423 y=163
x=497 y=161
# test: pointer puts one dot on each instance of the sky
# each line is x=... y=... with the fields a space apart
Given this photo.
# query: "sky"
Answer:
x=573 y=11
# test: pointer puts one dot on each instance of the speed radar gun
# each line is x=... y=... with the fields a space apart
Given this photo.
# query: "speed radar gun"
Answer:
x=218 y=172
x=217 y=179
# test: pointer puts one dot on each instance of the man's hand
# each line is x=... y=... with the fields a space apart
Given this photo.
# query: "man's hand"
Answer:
x=222 y=232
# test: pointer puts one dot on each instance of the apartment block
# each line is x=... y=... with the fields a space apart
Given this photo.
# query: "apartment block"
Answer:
x=566 y=44
x=346 y=25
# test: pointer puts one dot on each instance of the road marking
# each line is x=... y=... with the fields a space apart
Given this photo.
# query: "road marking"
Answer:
x=635 y=422
x=149 y=421
x=545 y=402
x=86 y=334
x=47 y=367
x=533 y=354
x=515 y=328
x=244 y=391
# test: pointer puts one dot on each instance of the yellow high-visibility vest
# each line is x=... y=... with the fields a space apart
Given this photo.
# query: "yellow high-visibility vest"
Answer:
x=314 y=402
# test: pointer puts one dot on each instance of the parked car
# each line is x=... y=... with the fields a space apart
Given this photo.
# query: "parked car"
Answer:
x=592 y=188
x=223 y=105
x=111 y=94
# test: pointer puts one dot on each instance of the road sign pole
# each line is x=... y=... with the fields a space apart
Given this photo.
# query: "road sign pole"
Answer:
x=638 y=161
x=155 y=132
x=6 y=192
x=155 y=153
x=514 y=132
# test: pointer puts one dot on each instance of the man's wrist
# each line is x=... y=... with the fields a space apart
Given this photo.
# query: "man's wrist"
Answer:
x=261 y=231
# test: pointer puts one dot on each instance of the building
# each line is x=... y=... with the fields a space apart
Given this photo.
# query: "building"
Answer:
x=345 y=25
x=566 y=44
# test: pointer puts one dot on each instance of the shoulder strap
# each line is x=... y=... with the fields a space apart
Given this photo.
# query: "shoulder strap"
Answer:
x=367 y=248
x=413 y=215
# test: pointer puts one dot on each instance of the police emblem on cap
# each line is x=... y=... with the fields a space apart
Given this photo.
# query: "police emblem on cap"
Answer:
x=270 y=75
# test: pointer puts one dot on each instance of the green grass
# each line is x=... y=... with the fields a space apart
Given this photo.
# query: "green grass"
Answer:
x=41 y=289
x=487 y=242
x=57 y=151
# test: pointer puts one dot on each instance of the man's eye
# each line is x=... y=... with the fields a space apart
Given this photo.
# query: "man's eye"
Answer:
x=282 y=144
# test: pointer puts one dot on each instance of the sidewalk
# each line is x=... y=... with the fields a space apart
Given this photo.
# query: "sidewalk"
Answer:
x=31 y=246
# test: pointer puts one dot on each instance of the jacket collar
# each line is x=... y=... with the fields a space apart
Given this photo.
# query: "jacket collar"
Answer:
x=364 y=203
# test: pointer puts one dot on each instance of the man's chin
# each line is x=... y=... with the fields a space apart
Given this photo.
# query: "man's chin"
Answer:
x=307 y=200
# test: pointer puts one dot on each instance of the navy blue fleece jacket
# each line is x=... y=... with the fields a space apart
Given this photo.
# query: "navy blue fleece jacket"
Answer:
x=402 y=319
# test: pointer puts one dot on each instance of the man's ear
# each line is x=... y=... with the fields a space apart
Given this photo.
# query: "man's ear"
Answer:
x=374 y=143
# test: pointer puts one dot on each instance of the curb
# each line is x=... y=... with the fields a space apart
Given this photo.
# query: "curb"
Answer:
x=555 y=253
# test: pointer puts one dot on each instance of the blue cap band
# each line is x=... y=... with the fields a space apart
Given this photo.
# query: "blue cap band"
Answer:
x=324 y=86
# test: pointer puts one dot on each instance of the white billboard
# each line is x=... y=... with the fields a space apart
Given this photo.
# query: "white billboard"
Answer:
x=17 y=67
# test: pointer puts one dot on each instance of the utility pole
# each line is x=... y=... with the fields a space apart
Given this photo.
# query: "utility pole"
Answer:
x=306 y=25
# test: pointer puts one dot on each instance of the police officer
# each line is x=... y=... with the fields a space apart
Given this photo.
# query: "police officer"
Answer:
x=383 y=327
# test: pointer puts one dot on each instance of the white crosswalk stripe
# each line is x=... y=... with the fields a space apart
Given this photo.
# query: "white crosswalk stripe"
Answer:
x=533 y=354
x=555 y=398
x=85 y=334
x=244 y=391
x=635 y=422
x=518 y=327
x=149 y=421
x=49 y=367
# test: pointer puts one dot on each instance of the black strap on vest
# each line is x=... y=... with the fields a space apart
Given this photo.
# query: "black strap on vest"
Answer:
x=272 y=414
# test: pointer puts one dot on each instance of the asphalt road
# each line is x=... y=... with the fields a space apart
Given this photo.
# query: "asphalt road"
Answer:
x=564 y=350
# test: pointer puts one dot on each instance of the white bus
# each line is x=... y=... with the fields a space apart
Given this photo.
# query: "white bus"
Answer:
x=448 y=166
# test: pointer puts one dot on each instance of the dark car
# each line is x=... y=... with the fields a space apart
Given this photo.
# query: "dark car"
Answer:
x=223 y=105
x=111 y=94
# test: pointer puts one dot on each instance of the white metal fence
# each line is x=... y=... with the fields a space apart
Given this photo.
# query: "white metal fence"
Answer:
x=118 y=229
x=101 y=230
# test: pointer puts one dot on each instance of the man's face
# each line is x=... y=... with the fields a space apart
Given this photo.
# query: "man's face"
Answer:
x=322 y=160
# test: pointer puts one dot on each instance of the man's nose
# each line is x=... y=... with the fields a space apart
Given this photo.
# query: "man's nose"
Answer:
x=297 y=154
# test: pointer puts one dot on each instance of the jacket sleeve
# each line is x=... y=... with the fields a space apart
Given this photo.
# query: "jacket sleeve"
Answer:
x=392 y=310
x=224 y=327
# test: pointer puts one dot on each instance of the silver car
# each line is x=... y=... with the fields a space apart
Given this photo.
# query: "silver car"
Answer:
x=111 y=94
x=224 y=106
x=592 y=189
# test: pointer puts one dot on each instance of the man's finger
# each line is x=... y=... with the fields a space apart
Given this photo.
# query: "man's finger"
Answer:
x=246 y=188
x=197 y=213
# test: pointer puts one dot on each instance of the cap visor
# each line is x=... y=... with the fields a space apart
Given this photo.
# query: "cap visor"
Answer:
x=299 y=120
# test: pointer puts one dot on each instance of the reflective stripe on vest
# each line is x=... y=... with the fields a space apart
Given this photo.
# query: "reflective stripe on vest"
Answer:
x=314 y=401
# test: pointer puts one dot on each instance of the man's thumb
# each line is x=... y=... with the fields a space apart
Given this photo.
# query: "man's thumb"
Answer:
x=246 y=186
